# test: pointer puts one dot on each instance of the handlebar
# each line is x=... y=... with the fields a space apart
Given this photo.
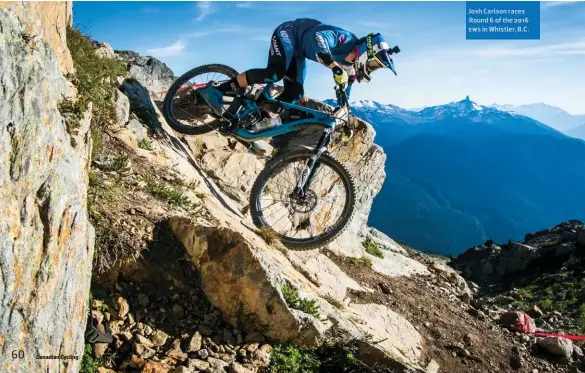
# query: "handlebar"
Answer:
x=341 y=97
x=342 y=113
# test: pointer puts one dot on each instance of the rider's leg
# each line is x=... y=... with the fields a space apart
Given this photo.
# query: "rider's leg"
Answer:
x=293 y=81
x=275 y=71
x=279 y=58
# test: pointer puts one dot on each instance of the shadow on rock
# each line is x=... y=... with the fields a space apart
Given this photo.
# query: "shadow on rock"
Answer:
x=141 y=104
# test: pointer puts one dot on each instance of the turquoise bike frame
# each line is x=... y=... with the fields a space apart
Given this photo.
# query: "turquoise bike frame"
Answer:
x=318 y=118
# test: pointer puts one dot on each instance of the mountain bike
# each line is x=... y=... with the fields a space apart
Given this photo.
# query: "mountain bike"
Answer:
x=306 y=197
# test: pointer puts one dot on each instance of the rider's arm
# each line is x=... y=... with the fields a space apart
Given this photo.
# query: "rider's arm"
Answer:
x=324 y=41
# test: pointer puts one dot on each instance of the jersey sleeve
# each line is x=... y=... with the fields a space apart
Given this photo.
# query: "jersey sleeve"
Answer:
x=324 y=41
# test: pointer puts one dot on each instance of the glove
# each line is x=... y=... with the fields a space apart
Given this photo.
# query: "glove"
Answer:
x=340 y=77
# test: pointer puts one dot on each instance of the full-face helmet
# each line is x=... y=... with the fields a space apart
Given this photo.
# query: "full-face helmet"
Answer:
x=372 y=54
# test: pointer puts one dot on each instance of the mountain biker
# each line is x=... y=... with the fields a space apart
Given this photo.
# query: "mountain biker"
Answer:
x=293 y=42
x=348 y=57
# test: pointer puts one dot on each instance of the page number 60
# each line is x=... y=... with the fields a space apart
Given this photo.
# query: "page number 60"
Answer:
x=17 y=354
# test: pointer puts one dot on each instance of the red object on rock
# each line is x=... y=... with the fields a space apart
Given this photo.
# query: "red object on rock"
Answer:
x=517 y=321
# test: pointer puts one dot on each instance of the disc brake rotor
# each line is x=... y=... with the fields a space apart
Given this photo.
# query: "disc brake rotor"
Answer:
x=304 y=204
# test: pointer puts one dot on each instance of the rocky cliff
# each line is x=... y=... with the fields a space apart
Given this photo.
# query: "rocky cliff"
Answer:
x=546 y=251
x=542 y=276
x=49 y=21
x=46 y=241
x=191 y=285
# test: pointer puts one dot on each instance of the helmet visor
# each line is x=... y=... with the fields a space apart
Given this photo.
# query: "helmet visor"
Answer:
x=373 y=64
x=384 y=60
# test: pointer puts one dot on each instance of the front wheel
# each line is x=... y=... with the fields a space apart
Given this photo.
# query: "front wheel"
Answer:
x=309 y=222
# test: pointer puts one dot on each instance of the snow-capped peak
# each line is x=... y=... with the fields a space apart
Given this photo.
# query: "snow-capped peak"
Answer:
x=366 y=104
x=465 y=105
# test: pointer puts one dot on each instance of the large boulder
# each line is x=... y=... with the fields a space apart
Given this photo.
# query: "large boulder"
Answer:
x=365 y=162
x=245 y=277
x=153 y=74
x=384 y=241
x=46 y=241
x=556 y=346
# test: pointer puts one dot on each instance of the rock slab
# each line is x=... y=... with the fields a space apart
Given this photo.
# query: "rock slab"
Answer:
x=46 y=240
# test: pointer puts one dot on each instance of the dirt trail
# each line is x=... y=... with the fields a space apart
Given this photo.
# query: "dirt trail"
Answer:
x=456 y=340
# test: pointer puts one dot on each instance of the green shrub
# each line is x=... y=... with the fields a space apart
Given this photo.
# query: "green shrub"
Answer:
x=119 y=163
x=94 y=77
x=98 y=189
x=291 y=359
x=373 y=248
x=293 y=300
x=332 y=301
x=145 y=144
x=95 y=80
x=89 y=364
x=330 y=357
x=170 y=195
x=363 y=260
x=268 y=235
x=186 y=184
x=581 y=317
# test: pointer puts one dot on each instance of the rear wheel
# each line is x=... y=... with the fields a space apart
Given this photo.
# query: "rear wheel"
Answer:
x=309 y=222
x=184 y=110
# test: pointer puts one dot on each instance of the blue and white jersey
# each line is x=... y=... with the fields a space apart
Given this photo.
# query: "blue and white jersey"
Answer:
x=311 y=38
x=316 y=41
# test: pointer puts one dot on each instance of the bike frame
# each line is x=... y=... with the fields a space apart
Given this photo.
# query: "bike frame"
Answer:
x=318 y=118
x=327 y=121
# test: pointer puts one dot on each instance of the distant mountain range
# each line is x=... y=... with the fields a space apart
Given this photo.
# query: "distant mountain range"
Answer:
x=461 y=173
x=552 y=116
x=578 y=132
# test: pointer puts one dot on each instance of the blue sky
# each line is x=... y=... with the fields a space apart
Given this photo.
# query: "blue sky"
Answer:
x=437 y=64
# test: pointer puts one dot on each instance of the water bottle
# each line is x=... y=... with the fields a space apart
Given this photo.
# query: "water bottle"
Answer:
x=268 y=123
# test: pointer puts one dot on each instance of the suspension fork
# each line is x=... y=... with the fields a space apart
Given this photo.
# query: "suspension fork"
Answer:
x=312 y=168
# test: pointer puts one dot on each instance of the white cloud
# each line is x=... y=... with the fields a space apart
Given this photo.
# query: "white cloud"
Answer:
x=553 y=4
x=244 y=4
x=205 y=8
x=199 y=34
x=232 y=29
x=262 y=37
x=171 y=50
x=150 y=10
x=378 y=25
